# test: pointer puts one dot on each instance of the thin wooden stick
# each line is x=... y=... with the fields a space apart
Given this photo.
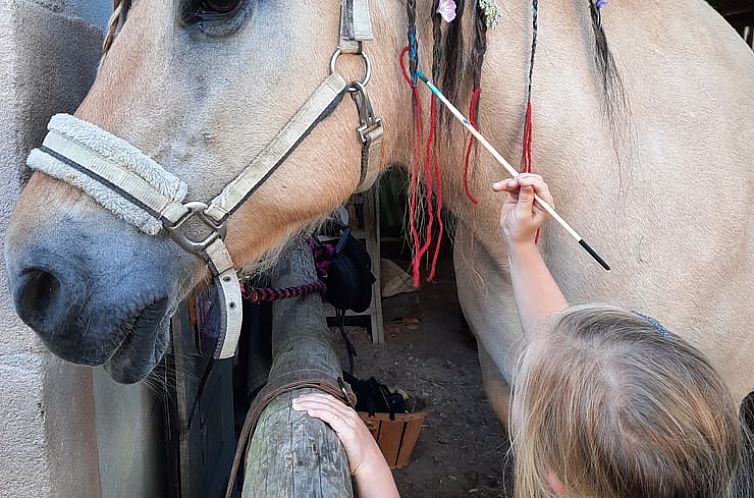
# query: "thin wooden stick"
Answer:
x=513 y=172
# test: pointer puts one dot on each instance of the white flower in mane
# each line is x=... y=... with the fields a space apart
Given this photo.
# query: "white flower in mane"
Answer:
x=491 y=11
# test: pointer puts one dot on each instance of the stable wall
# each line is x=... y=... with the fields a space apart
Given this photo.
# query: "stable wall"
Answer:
x=65 y=431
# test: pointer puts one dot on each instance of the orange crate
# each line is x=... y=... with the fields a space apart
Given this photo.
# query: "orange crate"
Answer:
x=397 y=438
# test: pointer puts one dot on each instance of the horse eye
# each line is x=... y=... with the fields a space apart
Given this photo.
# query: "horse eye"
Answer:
x=219 y=6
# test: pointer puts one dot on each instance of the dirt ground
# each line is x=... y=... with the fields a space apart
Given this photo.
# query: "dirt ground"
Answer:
x=430 y=352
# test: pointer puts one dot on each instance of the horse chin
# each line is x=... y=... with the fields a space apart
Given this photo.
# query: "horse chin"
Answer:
x=143 y=347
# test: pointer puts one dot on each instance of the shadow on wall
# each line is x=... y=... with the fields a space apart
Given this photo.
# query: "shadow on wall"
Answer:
x=55 y=64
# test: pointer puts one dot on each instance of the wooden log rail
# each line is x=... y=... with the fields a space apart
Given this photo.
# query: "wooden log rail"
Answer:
x=292 y=455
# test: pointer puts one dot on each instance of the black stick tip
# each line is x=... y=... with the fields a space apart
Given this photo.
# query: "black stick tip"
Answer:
x=594 y=254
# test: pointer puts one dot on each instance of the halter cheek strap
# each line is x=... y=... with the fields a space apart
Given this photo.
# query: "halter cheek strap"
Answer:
x=324 y=100
x=138 y=190
x=355 y=25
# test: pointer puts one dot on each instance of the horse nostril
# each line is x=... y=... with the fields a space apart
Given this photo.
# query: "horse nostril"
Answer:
x=39 y=300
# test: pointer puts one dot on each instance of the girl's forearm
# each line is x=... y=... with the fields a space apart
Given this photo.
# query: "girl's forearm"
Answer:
x=537 y=294
x=375 y=480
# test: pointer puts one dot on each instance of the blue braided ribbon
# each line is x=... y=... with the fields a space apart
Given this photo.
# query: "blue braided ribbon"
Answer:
x=656 y=324
x=413 y=55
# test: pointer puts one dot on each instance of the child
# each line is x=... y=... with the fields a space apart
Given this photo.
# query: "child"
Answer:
x=369 y=469
x=606 y=403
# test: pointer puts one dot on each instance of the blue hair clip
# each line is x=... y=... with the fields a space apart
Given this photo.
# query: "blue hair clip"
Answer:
x=657 y=325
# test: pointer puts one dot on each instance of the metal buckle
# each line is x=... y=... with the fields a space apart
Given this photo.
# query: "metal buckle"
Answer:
x=368 y=121
x=196 y=209
x=346 y=392
x=367 y=67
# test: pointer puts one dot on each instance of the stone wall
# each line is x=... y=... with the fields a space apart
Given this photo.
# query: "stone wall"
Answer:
x=65 y=431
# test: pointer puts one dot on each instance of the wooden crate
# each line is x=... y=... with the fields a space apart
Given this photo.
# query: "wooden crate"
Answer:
x=397 y=438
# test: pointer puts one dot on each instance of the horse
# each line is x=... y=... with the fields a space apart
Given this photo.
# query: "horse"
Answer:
x=657 y=174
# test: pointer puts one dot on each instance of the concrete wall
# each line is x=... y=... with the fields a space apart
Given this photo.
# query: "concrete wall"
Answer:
x=130 y=441
x=65 y=431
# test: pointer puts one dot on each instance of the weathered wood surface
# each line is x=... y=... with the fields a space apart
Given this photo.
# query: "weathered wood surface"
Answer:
x=291 y=454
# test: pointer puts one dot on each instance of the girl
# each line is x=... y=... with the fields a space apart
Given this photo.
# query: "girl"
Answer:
x=606 y=403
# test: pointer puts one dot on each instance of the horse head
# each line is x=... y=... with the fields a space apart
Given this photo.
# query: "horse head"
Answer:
x=201 y=87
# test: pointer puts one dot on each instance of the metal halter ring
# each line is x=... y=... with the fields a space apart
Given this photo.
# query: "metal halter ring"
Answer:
x=367 y=66
x=196 y=210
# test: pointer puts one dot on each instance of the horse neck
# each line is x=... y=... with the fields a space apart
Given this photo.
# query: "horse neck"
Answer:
x=503 y=126
x=566 y=96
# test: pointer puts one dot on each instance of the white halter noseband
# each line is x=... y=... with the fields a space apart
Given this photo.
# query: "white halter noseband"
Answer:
x=135 y=188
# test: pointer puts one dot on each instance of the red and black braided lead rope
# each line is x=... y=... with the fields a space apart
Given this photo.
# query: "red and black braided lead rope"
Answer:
x=259 y=295
x=323 y=254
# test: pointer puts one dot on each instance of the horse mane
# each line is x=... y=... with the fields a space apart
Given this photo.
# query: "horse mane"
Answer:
x=454 y=53
x=453 y=60
x=456 y=69
x=451 y=63
x=612 y=84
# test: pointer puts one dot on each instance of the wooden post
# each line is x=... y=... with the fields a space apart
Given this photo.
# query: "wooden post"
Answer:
x=291 y=454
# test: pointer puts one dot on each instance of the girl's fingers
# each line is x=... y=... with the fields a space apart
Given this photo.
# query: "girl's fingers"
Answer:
x=328 y=416
x=538 y=184
x=319 y=395
x=313 y=405
x=505 y=185
x=525 y=199
x=519 y=181
x=323 y=400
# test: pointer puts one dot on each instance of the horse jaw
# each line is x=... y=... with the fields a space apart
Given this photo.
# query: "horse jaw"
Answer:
x=208 y=111
x=203 y=108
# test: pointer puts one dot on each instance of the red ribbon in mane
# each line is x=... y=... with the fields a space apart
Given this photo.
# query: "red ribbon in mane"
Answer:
x=432 y=181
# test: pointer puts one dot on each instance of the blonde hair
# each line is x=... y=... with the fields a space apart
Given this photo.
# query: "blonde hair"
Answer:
x=614 y=409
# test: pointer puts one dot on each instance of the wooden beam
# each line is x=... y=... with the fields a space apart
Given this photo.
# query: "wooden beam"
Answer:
x=291 y=454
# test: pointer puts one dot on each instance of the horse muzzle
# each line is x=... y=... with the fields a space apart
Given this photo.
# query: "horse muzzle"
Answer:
x=94 y=300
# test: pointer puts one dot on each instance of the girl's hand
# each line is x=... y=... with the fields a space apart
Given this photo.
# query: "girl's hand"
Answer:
x=362 y=450
x=520 y=216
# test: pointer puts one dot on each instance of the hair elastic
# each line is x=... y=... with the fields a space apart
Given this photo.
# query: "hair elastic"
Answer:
x=656 y=324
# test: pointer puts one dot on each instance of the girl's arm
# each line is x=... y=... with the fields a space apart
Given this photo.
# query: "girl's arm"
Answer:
x=368 y=467
x=537 y=294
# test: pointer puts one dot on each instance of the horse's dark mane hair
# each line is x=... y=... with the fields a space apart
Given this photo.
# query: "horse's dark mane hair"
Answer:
x=436 y=41
x=452 y=64
x=479 y=48
x=454 y=55
x=610 y=79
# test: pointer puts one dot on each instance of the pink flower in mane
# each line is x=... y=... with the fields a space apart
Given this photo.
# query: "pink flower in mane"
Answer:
x=447 y=9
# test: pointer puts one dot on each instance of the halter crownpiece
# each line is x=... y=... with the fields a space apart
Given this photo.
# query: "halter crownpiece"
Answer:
x=135 y=188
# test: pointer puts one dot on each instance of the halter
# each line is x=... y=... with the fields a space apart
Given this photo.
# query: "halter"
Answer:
x=137 y=189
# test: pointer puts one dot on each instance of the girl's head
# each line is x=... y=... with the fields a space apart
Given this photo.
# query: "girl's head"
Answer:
x=606 y=406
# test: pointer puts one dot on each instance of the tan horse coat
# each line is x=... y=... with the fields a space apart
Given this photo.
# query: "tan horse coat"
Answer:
x=675 y=216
